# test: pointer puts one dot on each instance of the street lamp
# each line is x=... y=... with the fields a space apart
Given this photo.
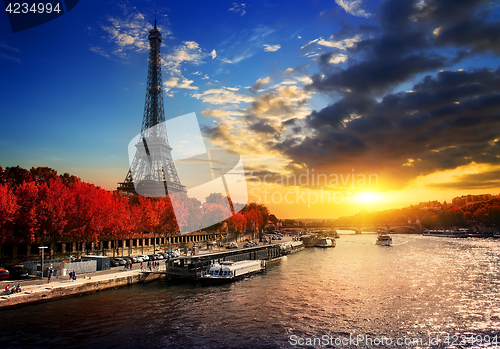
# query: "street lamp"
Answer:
x=42 y=248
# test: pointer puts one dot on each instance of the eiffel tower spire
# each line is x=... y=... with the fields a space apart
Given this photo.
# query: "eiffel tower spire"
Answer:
x=153 y=169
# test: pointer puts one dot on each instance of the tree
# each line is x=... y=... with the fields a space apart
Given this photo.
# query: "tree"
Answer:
x=43 y=174
x=149 y=216
x=429 y=220
x=237 y=223
x=88 y=213
x=15 y=176
x=8 y=212
x=494 y=214
x=481 y=216
x=121 y=215
x=54 y=197
x=27 y=221
x=214 y=215
x=261 y=215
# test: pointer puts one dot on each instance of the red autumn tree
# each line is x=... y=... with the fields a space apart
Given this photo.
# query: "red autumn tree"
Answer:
x=8 y=212
x=120 y=224
x=257 y=215
x=237 y=223
x=27 y=224
x=88 y=213
x=54 y=197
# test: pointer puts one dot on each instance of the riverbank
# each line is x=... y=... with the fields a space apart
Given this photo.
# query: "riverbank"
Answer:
x=39 y=290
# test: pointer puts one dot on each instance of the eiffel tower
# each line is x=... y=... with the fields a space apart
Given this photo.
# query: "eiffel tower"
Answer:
x=153 y=171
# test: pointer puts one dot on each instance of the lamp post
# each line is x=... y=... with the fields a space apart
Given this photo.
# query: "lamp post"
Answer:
x=42 y=248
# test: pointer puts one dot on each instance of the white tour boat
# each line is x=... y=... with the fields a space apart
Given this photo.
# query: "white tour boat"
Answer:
x=384 y=240
x=230 y=271
x=326 y=242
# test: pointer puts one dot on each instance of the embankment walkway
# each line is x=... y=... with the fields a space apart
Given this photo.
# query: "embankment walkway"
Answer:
x=39 y=290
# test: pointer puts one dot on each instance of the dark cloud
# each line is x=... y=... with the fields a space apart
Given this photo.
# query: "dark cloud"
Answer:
x=258 y=85
x=262 y=126
x=477 y=35
x=376 y=75
x=446 y=121
x=335 y=114
x=485 y=180
x=450 y=118
x=289 y=122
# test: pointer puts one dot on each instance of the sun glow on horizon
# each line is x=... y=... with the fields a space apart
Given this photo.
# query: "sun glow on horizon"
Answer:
x=368 y=198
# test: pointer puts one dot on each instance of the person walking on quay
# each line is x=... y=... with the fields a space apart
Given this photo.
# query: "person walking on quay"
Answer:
x=142 y=266
x=7 y=289
x=49 y=275
x=130 y=266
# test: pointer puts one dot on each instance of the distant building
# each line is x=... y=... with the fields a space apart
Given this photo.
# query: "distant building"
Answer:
x=469 y=199
x=431 y=205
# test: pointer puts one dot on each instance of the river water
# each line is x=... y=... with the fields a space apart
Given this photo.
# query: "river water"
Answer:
x=418 y=293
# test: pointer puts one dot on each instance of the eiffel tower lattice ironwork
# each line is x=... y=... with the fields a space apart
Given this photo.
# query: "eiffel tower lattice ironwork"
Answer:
x=153 y=171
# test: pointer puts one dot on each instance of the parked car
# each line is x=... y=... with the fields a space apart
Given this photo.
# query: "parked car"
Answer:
x=232 y=245
x=4 y=274
x=18 y=273
x=158 y=256
x=144 y=257
x=121 y=261
x=115 y=262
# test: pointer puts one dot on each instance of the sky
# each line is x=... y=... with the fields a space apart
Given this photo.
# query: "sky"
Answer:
x=334 y=106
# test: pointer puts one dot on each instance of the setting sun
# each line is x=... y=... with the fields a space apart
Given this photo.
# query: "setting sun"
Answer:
x=368 y=198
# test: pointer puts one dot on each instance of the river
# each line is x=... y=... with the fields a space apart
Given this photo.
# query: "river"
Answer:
x=418 y=293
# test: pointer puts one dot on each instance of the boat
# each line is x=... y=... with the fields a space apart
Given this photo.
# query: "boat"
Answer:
x=314 y=237
x=460 y=233
x=326 y=242
x=231 y=271
x=291 y=247
x=384 y=240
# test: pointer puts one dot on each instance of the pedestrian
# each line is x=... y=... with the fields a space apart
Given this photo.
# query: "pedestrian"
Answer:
x=49 y=275
x=70 y=275
x=7 y=289
x=142 y=266
x=18 y=288
x=130 y=266
x=74 y=275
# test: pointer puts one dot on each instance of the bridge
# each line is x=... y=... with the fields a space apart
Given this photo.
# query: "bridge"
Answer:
x=408 y=228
